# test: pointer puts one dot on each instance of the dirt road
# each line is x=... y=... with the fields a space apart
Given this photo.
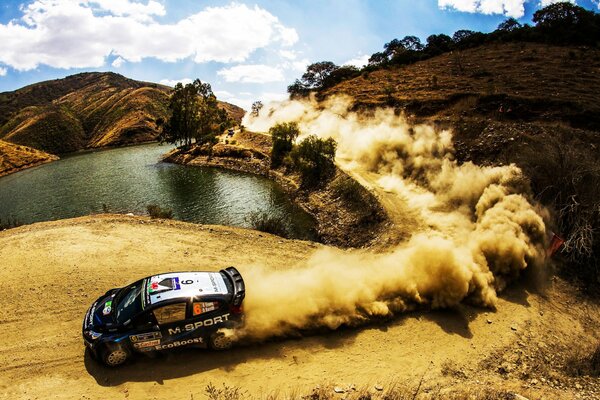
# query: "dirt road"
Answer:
x=51 y=272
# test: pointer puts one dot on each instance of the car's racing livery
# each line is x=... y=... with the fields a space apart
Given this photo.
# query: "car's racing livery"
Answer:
x=163 y=312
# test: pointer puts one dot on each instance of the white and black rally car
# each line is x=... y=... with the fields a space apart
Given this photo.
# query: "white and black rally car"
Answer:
x=163 y=312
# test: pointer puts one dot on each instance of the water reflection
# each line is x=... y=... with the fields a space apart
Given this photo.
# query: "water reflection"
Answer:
x=128 y=179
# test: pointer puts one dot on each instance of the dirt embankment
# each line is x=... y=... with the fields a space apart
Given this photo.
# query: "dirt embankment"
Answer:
x=359 y=223
x=51 y=273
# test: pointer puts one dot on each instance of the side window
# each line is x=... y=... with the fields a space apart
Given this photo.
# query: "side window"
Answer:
x=201 y=307
x=144 y=320
x=170 y=313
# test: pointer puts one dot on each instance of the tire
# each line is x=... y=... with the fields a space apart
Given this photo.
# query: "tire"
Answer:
x=114 y=355
x=220 y=341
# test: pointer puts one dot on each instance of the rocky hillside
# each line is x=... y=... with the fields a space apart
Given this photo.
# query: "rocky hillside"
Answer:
x=532 y=104
x=85 y=111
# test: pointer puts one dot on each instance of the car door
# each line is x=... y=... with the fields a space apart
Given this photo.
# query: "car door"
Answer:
x=146 y=334
x=173 y=325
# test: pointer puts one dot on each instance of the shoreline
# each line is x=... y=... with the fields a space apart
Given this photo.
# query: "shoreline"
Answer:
x=28 y=166
x=336 y=223
x=57 y=157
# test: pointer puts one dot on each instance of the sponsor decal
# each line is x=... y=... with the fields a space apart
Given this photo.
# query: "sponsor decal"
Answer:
x=146 y=344
x=165 y=284
x=205 y=306
x=199 y=324
x=91 y=315
x=107 y=308
x=178 y=343
x=145 y=336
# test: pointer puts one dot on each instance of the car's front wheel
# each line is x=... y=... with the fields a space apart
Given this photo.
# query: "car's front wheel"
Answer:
x=220 y=341
x=115 y=355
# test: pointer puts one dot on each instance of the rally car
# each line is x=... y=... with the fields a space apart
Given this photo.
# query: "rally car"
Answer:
x=165 y=311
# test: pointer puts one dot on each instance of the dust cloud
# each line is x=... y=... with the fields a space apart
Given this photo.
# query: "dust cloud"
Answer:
x=480 y=228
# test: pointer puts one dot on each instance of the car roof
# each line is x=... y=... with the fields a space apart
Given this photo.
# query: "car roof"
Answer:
x=175 y=285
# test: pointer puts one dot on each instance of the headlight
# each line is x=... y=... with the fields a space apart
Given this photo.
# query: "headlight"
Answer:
x=92 y=335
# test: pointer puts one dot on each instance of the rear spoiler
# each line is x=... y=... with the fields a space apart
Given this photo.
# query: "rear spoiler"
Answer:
x=239 y=289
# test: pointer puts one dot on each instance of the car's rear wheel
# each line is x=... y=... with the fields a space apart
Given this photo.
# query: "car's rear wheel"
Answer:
x=220 y=341
x=115 y=355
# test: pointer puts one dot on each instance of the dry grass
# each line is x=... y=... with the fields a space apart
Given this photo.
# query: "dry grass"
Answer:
x=527 y=70
x=394 y=391
x=265 y=222
x=584 y=362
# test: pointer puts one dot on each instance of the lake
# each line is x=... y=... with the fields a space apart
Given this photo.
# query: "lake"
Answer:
x=128 y=179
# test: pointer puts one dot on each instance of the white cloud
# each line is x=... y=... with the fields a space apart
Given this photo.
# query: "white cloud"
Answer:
x=245 y=99
x=288 y=54
x=298 y=65
x=118 y=62
x=252 y=73
x=173 y=82
x=82 y=33
x=3 y=71
x=359 y=61
x=128 y=8
x=510 y=8
x=223 y=94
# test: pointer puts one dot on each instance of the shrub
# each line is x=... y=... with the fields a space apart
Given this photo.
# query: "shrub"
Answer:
x=156 y=211
x=567 y=178
x=264 y=222
x=348 y=190
x=584 y=362
x=9 y=223
x=283 y=136
x=313 y=158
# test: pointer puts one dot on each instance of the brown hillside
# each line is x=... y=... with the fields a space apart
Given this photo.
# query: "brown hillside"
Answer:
x=539 y=81
x=84 y=111
x=531 y=104
x=14 y=157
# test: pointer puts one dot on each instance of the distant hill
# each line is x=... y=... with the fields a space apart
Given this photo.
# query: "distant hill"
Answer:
x=86 y=110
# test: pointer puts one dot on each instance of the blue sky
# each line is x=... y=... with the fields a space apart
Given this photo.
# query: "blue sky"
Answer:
x=247 y=50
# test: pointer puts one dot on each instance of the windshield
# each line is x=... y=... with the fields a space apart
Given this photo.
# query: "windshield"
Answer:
x=129 y=302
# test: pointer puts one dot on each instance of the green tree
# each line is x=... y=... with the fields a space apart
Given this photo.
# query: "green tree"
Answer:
x=195 y=115
x=509 y=25
x=316 y=73
x=283 y=136
x=314 y=159
x=256 y=107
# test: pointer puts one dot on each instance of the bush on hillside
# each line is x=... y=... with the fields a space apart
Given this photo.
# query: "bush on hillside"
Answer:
x=9 y=223
x=313 y=158
x=283 y=135
x=264 y=222
x=155 y=211
x=568 y=180
x=350 y=191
